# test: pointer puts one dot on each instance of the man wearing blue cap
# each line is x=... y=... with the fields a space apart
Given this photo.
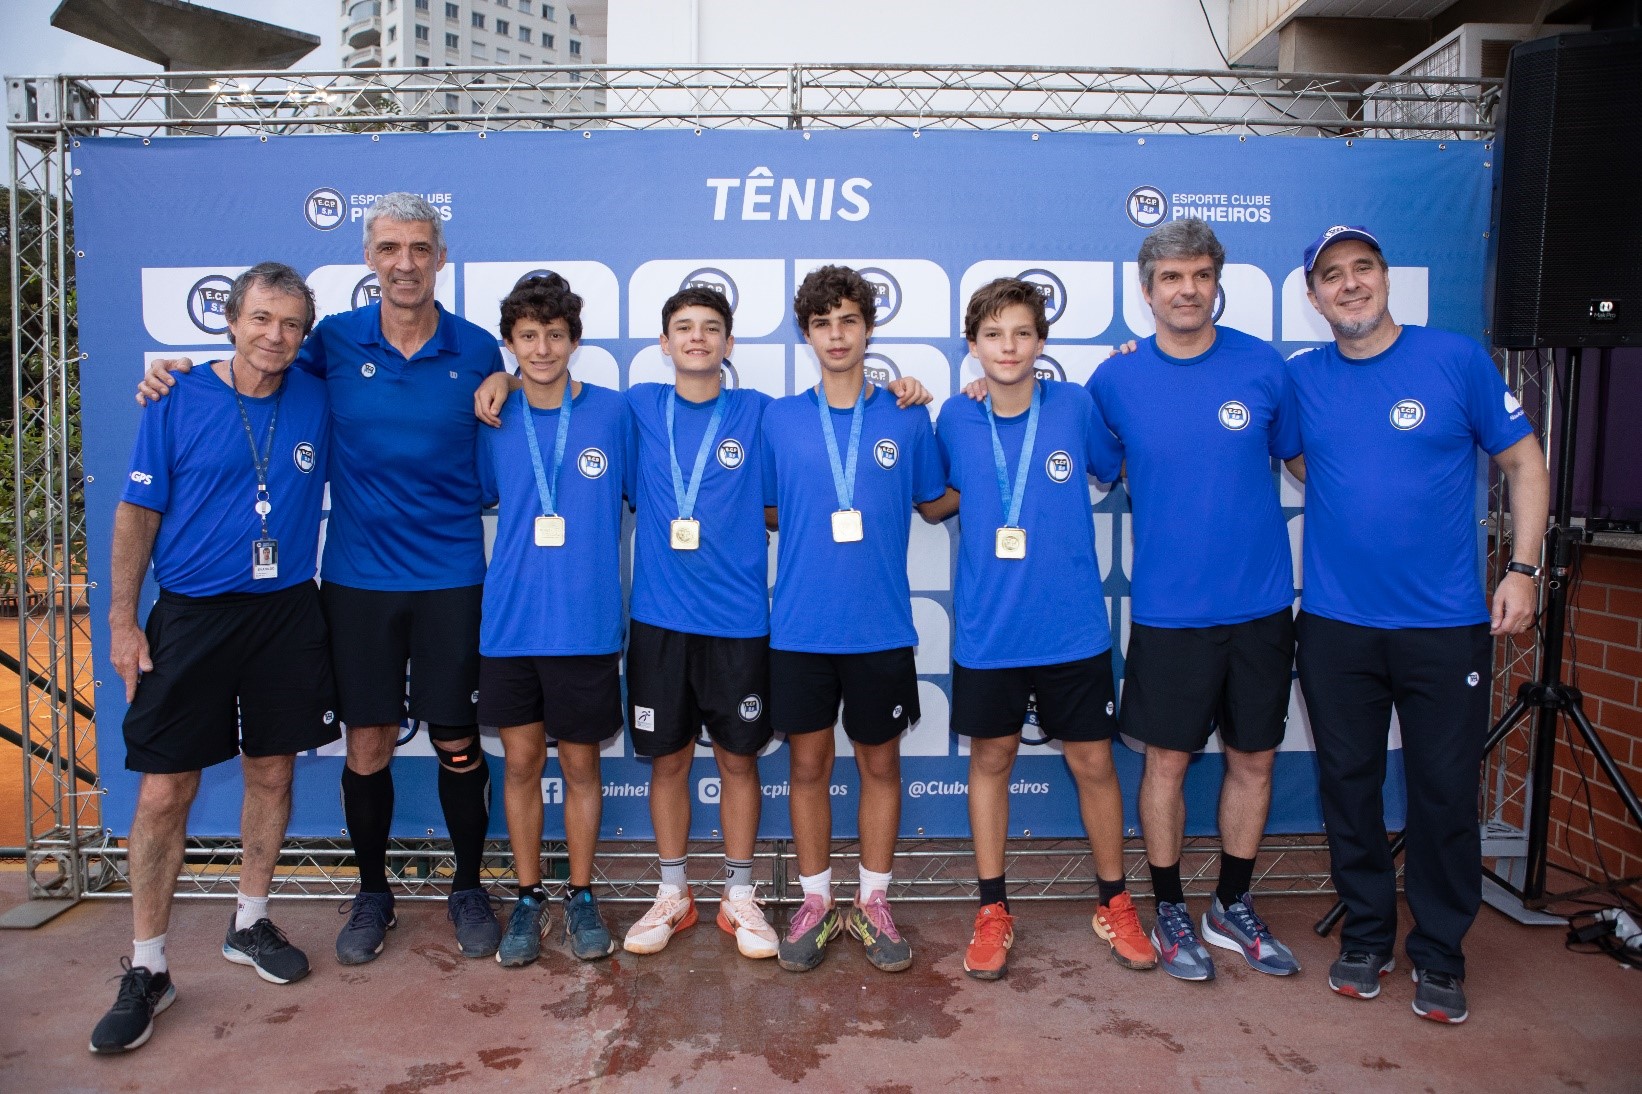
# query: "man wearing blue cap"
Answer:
x=1393 y=614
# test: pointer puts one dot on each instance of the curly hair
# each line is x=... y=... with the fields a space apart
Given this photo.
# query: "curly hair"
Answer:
x=544 y=298
x=825 y=288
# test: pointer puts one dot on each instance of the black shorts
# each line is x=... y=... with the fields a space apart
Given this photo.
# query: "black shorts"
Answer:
x=240 y=672
x=585 y=691
x=678 y=682
x=879 y=691
x=1074 y=700
x=374 y=634
x=1179 y=684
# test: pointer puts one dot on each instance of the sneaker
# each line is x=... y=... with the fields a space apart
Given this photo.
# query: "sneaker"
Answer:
x=743 y=916
x=1119 y=924
x=673 y=911
x=1356 y=973
x=871 y=923
x=264 y=947
x=815 y=924
x=130 y=1021
x=370 y=919
x=526 y=926
x=1238 y=927
x=477 y=931
x=1184 y=957
x=987 y=957
x=1440 y=996
x=584 y=927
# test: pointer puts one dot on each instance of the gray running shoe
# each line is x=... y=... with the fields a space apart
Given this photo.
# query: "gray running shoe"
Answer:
x=872 y=924
x=584 y=928
x=525 y=927
x=369 y=921
x=1440 y=996
x=1179 y=952
x=1240 y=928
x=477 y=932
x=1356 y=973
x=812 y=927
x=265 y=948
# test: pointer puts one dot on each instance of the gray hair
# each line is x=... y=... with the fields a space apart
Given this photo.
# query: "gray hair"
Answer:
x=405 y=207
x=1187 y=238
x=275 y=277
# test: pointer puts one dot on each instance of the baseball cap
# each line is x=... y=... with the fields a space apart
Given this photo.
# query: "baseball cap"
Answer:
x=1338 y=234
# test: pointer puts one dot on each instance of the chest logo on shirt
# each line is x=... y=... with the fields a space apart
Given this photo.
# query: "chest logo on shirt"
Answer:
x=886 y=453
x=592 y=463
x=1234 y=415
x=303 y=456
x=367 y=370
x=1407 y=414
x=730 y=453
x=1058 y=466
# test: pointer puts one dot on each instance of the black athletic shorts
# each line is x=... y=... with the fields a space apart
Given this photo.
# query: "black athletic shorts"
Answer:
x=240 y=672
x=577 y=698
x=374 y=634
x=678 y=682
x=1180 y=684
x=1075 y=700
x=879 y=691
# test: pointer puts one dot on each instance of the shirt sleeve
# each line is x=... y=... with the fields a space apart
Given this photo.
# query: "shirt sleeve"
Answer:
x=1103 y=452
x=311 y=357
x=148 y=480
x=928 y=476
x=495 y=363
x=630 y=454
x=767 y=453
x=1283 y=440
x=488 y=438
x=1497 y=419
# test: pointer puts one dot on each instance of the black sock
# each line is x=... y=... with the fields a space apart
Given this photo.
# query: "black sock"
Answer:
x=465 y=796
x=535 y=890
x=367 y=807
x=1166 y=883
x=571 y=892
x=1235 y=876
x=1110 y=889
x=993 y=891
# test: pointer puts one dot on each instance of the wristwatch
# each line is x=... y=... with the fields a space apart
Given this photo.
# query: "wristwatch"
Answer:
x=1530 y=572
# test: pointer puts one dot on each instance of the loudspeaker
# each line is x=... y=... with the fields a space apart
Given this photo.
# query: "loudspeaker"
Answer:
x=1567 y=218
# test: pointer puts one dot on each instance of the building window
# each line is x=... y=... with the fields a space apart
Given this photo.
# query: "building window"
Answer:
x=422 y=62
x=392 y=4
x=575 y=48
x=526 y=59
x=422 y=5
x=524 y=7
x=453 y=41
x=393 y=62
x=479 y=20
x=421 y=33
x=524 y=34
x=547 y=12
x=503 y=27
x=573 y=20
x=479 y=53
x=452 y=12
x=547 y=39
x=453 y=102
x=393 y=33
x=503 y=56
x=501 y=3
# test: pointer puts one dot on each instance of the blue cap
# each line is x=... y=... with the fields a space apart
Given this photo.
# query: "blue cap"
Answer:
x=1338 y=234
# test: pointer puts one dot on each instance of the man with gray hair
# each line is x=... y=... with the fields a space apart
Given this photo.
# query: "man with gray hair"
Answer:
x=1200 y=411
x=404 y=558
x=233 y=660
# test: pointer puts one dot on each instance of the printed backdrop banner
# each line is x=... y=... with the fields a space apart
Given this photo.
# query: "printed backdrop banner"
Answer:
x=163 y=225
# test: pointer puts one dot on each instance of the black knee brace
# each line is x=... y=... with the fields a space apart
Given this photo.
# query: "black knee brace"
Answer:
x=458 y=759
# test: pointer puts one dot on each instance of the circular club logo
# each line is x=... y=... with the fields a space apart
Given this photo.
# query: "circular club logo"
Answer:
x=1219 y=304
x=303 y=456
x=1146 y=206
x=1234 y=415
x=886 y=294
x=367 y=291
x=728 y=376
x=323 y=209
x=1058 y=466
x=368 y=369
x=1407 y=414
x=880 y=370
x=1050 y=287
x=532 y=273
x=717 y=280
x=1047 y=368
x=730 y=454
x=751 y=707
x=208 y=303
x=592 y=463
x=1032 y=728
x=1473 y=680
x=886 y=453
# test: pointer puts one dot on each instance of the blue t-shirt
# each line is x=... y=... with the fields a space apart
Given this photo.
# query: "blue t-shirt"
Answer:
x=723 y=588
x=1199 y=435
x=192 y=464
x=557 y=601
x=1014 y=612
x=1391 y=478
x=404 y=486
x=846 y=597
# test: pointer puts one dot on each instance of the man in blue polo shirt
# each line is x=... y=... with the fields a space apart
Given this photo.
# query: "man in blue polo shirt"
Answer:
x=1200 y=411
x=404 y=558
x=1393 y=615
x=224 y=495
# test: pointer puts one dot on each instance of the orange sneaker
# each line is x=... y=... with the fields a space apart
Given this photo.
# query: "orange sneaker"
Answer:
x=987 y=957
x=1119 y=924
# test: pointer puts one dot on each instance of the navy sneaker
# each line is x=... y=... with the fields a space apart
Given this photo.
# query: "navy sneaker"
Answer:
x=1180 y=953
x=1238 y=927
x=129 y=1023
x=265 y=948
x=522 y=943
x=584 y=927
x=370 y=920
x=1440 y=996
x=477 y=931
x=1356 y=973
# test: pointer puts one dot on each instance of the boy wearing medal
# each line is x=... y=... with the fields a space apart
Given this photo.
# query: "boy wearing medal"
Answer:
x=1019 y=460
x=552 y=626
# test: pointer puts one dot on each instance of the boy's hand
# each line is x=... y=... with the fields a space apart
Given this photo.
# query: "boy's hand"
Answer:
x=491 y=396
x=157 y=382
x=976 y=389
x=908 y=391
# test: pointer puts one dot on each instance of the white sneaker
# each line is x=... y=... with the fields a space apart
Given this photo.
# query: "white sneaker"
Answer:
x=673 y=911
x=741 y=913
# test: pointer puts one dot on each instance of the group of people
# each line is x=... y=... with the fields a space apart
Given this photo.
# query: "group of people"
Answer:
x=409 y=414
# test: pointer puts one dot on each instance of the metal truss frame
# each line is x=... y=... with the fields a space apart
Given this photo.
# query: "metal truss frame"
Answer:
x=68 y=853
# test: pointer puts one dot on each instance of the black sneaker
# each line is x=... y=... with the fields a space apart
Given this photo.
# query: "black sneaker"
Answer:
x=1356 y=973
x=477 y=931
x=264 y=947
x=1440 y=996
x=370 y=918
x=130 y=1021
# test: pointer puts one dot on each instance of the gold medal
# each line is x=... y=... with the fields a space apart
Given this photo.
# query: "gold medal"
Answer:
x=685 y=535
x=1011 y=542
x=846 y=526
x=550 y=531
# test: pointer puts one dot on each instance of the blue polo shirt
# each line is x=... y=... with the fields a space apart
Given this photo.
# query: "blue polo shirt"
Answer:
x=192 y=464
x=1391 y=477
x=1014 y=612
x=557 y=601
x=404 y=483
x=846 y=597
x=722 y=589
x=1199 y=435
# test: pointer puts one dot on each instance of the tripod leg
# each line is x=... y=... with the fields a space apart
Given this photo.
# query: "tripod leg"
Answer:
x=1576 y=712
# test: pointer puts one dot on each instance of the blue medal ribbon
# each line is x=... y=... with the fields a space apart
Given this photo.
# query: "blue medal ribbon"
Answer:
x=686 y=496
x=1012 y=499
x=547 y=490
x=843 y=474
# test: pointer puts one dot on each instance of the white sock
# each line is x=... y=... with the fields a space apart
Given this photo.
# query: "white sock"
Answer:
x=741 y=892
x=872 y=882
x=149 y=954
x=817 y=884
x=249 y=910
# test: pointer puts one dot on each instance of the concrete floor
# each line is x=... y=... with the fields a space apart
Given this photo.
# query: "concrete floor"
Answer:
x=698 y=1016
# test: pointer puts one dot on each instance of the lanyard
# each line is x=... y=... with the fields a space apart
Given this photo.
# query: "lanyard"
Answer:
x=259 y=461
x=843 y=475
x=547 y=490
x=1012 y=499
x=686 y=497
